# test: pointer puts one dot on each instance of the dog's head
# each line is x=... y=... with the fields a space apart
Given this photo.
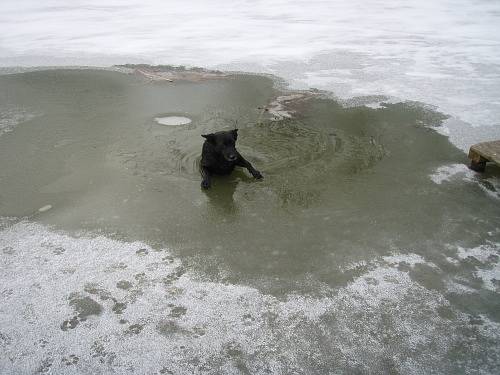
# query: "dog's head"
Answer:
x=224 y=143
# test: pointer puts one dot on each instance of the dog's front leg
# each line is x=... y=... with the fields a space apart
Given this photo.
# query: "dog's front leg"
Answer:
x=205 y=177
x=242 y=162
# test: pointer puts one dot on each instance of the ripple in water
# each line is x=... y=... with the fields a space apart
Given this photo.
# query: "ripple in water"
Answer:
x=288 y=150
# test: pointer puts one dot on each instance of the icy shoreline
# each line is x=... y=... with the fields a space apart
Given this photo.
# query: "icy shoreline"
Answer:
x=445 y=54
x=93 y=305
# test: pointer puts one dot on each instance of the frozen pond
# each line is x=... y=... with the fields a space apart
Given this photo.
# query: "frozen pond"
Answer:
x=444 y=53
x=368 y=246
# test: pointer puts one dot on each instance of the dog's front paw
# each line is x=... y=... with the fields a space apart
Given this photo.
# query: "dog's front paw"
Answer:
x=257 y=175
x=205 y=184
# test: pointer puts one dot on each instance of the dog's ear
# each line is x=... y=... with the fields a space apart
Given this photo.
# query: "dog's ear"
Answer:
x=235 y=134
x=209 y=137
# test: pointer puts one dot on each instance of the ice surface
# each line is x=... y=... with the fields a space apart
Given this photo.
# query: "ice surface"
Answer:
x=448 y=172
x=45 y=208
x=461 y=172
x=488 y=267
x=11 y=116
x=92 y=304
x=173 y=120
x=443 y=53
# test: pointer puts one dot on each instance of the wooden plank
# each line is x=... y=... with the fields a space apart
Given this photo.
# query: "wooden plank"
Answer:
x=481 y=153
x=488 y=150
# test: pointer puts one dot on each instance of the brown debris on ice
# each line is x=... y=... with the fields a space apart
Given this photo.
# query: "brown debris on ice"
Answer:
x=173 y=73
x=282 y=107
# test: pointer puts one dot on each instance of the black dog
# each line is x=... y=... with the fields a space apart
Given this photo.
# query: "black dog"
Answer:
x=219 y=156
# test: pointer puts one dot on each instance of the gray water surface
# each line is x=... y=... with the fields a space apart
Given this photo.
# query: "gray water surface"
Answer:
x=361 y=250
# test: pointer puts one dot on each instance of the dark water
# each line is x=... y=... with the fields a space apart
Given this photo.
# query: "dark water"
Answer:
x=351 y=220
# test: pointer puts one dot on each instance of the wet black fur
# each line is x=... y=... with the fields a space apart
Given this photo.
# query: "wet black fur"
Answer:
x=219 y=156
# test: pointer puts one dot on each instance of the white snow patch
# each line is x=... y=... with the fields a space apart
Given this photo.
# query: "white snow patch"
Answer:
x=489 y=269
x=410 y=259
x=45 y=208
x=461 y=172
x=11 y=116
x=173 y=120
x=155 y=316
x=450 y=172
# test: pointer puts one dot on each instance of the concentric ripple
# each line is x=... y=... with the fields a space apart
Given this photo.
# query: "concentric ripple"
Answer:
x=278 y=148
